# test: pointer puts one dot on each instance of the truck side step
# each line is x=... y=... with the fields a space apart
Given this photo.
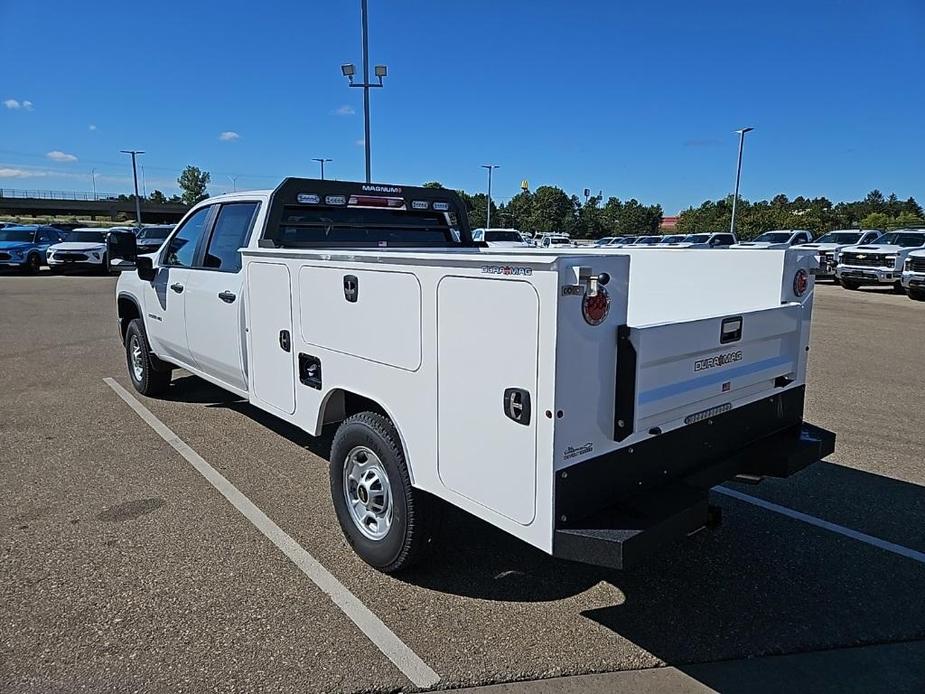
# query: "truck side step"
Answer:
x=619 y=536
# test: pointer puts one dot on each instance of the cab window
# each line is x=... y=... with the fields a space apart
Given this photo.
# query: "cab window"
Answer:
x=232 y=229
x=181 y=250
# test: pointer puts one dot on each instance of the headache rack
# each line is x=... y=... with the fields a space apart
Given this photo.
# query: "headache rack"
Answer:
x=311 y=213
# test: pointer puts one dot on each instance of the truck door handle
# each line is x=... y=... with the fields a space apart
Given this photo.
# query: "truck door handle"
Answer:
x=284 y=341
x=177 y=287
x=227 y=296
x=517 y=405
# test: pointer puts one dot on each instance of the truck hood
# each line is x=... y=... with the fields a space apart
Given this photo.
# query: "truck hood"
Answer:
x=78 y=246
x=507 y=244
x=759 y=244
x=819 y=246
x=879 y=250
x=15 y=245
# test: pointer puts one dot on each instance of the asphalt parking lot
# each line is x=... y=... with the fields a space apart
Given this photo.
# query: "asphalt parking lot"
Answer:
x=122 y=568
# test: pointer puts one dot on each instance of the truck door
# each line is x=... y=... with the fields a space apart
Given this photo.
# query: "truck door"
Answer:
x=214 y=305
x=269 y=319
x=486 y=392
x=165 y=299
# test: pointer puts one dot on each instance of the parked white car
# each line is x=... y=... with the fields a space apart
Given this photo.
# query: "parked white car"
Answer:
x=671 y=238
x=554 y=241
x=913 y=280
x=829 y=244
x=880 y=262
x=706 y=240
x=82 y=248
x=500 y=238
x=594 y=435
x=779 y=238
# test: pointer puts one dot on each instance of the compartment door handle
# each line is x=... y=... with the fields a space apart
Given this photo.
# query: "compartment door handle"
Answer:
x=517 y=405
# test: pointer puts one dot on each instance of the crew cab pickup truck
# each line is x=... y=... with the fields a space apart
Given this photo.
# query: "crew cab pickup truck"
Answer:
x=829 y=244
x=705 y=240
x=621 y=386
x=880 y=262
x=914 y=275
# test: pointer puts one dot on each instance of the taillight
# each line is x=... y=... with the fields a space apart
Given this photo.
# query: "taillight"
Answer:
x=800 y=282
x=595 y=308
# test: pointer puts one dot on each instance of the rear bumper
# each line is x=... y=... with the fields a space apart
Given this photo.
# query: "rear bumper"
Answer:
x=615 y=509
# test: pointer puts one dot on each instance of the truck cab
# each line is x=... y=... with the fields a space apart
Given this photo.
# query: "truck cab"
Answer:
x=500 y=238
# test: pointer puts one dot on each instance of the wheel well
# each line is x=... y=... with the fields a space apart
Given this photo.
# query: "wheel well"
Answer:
x=341 y=404
x=128 y=311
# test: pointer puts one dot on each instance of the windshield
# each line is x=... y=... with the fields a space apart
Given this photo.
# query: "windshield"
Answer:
x=14 y=234
x=153 y=234
x=697 y=238
x=559 y=242
x=672 y=239
x=774 y=237
x=300 y=226
x=604 y=241
x=843 y=237
x=503 y=236
x=86 y=236
x=893 y=238
x=649 y=239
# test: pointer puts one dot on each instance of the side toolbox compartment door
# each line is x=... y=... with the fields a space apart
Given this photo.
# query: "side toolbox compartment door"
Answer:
x=486 y=392
x=269 y=311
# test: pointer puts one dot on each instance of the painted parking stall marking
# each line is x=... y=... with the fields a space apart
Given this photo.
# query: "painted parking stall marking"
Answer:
x=885 y=545
x=406 y=660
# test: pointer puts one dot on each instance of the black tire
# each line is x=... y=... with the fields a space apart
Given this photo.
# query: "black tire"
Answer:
x=104 y=265
x=153 y=376
x=412 y=511
x=33 y=264
x=898 y=288
x=850 y=284
x=916 y=294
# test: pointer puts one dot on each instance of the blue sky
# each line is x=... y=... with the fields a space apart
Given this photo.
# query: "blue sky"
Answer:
x=637 y=99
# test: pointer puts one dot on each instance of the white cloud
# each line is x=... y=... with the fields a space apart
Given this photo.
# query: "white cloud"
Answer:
x=58 y=155
x=12 y=104
x=27 y=105
x=229 y=136
x=345 y=110
x=18 y=173
x=92 y=127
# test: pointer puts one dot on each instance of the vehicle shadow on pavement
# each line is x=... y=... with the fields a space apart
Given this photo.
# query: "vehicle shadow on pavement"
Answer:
x=760 y=584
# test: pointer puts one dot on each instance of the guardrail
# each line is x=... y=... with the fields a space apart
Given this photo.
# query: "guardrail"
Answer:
x=58 y=195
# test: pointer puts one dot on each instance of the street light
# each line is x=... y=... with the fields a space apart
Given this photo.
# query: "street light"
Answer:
x=93 y=179
x=348 y=70
x=735 y=196
x=234 y=183
x=135 y=153
x=321 y=160
x=490 y=168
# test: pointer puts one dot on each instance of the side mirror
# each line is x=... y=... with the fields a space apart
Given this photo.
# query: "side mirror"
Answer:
x=121 y=248
x=145 y=265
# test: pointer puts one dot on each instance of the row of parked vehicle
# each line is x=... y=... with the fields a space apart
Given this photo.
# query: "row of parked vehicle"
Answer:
x=30 y=246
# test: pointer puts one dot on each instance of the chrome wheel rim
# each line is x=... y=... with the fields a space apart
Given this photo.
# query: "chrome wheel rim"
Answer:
x=368 y=493
x=136 y=356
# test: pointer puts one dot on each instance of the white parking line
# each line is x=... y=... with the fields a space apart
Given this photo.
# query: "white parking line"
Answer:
x=382 y=637
x=912 y=554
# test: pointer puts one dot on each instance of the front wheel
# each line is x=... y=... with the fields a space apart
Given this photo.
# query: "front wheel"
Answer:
x=917 y=294
x=385 y=520
x=149 y=375
x=898 y=288
x=850 y=284
x=33 y=264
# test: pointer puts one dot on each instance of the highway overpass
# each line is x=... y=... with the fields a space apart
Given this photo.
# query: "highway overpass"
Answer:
x=41 y=203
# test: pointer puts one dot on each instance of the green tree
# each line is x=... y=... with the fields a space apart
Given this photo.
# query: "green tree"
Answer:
x=157 y=197
x=877 y=220
x=433 y=184
x=907 y=219
x=552 y=210
x=193 y=183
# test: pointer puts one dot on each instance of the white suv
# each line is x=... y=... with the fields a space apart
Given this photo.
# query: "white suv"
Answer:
x=81 y=248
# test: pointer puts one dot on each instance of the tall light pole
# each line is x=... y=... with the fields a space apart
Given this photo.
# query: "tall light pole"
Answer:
x=234 y=183
x=93 y=179
x=349 y=69
x=135 y=153
x=322 y=160
x=490 y=168
x=735 y=196
x=144 y=184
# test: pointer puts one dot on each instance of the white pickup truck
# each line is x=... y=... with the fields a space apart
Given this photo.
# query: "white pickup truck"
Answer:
x=914 y=275
x=617 y=389
x=879 y=262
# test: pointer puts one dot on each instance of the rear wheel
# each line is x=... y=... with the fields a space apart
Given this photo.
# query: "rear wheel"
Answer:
x=386 y=521
x=850 y=284
x=150 y=376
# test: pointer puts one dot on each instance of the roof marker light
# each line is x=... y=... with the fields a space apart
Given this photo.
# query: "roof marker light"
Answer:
x=308 y=198
x=335 y=200
x=419 y=204
x=441 y=206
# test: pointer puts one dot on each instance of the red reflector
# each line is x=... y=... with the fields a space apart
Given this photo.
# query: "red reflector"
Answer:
x=375 y=201
x=800 y=282
x=595 y=308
